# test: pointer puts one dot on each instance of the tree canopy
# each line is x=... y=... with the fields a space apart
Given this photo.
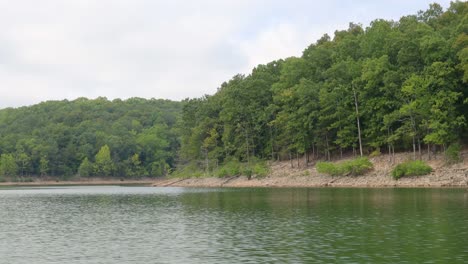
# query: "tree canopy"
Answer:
x=396 y=84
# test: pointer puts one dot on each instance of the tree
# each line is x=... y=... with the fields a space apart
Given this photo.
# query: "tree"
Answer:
x=8 y=165
x=134 y=168
x=86 y=168
x=43 y=166
x=103 y=165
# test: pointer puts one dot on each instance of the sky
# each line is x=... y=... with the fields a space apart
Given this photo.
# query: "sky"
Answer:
x=170 y=49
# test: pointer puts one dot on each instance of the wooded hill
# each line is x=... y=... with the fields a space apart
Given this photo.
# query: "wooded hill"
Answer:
x=392 y=86
x=97 y=137
x=395 y=85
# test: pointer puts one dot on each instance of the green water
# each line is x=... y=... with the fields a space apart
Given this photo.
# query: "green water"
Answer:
x=177 y=225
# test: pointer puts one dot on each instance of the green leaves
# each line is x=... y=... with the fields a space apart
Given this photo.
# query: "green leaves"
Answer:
x=103 y=165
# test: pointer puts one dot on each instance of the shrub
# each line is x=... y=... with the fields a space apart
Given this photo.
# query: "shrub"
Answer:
x=452 y=154
x=190 y=170
x=261 y=169
x=375 y=153
x=357 y=166
x=411 y=168
x=354 y=167
x=328 y=168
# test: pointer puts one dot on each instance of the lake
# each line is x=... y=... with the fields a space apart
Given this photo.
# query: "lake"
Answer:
x=116 y=224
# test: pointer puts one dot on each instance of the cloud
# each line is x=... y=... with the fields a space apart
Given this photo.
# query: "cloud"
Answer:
x=56 y=49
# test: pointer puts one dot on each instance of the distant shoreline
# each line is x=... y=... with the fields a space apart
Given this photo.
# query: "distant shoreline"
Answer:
x=97 y=182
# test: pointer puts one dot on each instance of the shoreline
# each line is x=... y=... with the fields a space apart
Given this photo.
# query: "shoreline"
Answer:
x=96 y=182
x=282 y=175
x=305 y=176
x=243 y=182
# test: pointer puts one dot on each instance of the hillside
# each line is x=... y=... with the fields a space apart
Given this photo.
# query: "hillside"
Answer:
x=120 y=138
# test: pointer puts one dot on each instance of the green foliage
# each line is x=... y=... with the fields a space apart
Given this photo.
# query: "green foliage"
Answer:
x=8 y=165
x=53 y=138
x=43 y=166
x=405 y=81
x=103 y=165
x=261 y=169
x=375 y=153
x=452 y=154
x=353 y=167
x=411 y=168
x=230 y=168
x=86 y=168
x=328 y=168
x=190 y=170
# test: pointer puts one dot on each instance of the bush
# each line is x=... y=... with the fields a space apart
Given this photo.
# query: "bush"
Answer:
x=375 y=153
x=411 y=168
x=452 y=154
x=328 y=168
x=261 y=169
x=190 y=170
x=236 y=168
x=354 y=167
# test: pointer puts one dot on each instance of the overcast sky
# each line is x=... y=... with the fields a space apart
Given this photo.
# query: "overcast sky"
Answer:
x=174 y=49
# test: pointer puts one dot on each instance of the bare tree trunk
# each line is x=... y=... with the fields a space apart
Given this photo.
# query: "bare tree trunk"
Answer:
x=414 y=148
x=272 y=148
x=389 y=153
x=207 y=163
x=419 y=148
x=313 y=151
x=429 y=151
x=247 y=146
x=290 y=160
x=327 y=152
x=357 y=120
x=297 y=158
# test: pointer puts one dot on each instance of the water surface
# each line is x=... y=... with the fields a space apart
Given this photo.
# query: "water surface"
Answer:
x=176 y=225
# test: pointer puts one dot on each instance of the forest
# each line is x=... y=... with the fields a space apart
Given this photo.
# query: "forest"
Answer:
x=131 y=138
x=392 y=86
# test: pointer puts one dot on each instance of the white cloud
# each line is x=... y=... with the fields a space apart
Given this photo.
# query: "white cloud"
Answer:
x=56 y=49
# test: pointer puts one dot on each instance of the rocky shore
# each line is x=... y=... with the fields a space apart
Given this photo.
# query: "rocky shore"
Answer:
x=282 y=175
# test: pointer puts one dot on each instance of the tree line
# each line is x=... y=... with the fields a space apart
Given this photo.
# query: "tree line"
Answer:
x=392 y=86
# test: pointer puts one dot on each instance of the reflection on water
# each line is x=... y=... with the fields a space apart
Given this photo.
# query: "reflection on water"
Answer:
x=177 y=225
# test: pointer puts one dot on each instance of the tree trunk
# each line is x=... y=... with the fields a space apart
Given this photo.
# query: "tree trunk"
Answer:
x=290 y=160
x=313 y=151
x=206 y=161
x=429 y=151
x=419 y=148
x=327 y=152
x=247 y=146
x=414 y=148
x=272 y=149
x=297 y=157
x=357 y=120
x=389 y=153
